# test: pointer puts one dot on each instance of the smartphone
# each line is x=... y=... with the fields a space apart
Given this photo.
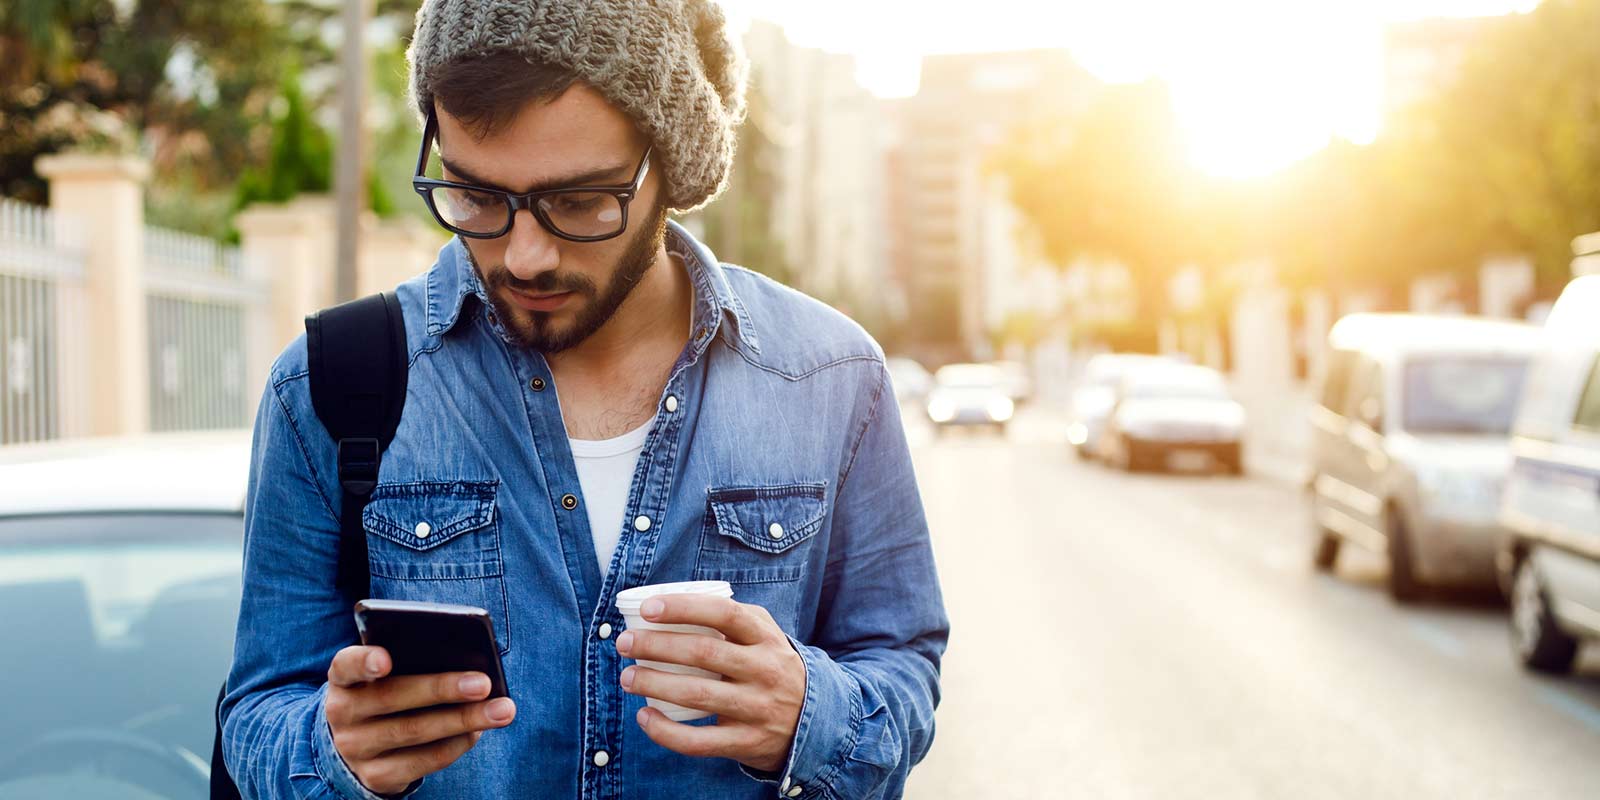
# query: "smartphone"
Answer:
x=425 y=638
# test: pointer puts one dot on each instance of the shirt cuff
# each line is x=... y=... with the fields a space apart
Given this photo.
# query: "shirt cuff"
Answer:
x=826 y=732
x=332 y=769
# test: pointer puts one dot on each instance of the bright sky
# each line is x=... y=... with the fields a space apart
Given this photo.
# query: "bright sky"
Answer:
x=1257 y=84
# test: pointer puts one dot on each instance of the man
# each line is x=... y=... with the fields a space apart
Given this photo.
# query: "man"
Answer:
x=595 y=404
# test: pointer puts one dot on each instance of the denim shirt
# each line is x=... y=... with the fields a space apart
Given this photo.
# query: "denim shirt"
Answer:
x=778 y=410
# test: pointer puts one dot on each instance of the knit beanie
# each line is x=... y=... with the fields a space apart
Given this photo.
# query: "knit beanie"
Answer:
x=670 y=65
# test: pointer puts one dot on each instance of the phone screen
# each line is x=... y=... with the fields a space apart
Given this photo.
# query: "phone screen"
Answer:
x=427 y=638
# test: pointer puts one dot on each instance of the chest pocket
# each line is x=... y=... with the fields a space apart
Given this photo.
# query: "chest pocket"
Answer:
x=760 y=534
x=439 y=542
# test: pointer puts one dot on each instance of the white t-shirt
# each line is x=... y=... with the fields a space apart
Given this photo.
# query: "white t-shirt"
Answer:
x=605 y=473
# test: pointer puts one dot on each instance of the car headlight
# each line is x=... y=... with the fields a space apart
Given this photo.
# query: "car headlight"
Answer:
x=1001 y=408
x=1233 y=422
x=1078 y=434
x=941 y=410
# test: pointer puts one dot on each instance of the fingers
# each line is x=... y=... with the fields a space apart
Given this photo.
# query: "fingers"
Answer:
x=731 y=700
x=358 y=664
x=410 y=692
x=395 y=771
x=725 y=740
x=740 y=622
x=375 y=738
x=688 y=649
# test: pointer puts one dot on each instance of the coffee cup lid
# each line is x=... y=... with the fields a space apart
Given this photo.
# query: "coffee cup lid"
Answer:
x=634 y=597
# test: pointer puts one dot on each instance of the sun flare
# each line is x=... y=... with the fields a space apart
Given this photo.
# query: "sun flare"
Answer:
x=1256 y=84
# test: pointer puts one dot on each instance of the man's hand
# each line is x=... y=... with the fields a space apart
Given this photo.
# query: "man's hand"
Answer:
x=388 y=730
x=758 y=701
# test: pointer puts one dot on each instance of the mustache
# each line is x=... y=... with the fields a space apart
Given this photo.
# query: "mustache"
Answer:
x=543 y=283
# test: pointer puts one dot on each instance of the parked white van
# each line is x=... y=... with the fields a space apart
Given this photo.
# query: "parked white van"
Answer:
x=1549 y=563
x=1411 y=443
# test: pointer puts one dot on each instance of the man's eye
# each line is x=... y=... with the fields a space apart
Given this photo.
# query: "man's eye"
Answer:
x=577 y=203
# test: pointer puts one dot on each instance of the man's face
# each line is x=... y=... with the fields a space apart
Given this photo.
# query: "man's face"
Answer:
x=550 y=293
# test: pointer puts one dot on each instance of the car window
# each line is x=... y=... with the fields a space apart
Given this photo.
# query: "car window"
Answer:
x=1452 y=394
x=1178 y=386
x=1588 y=417
x=969 y=376
x=117 y=630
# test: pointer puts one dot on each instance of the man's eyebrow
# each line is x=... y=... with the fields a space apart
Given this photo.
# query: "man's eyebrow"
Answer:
x=592 y=177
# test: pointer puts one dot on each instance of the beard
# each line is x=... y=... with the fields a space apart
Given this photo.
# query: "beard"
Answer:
x=538 y=330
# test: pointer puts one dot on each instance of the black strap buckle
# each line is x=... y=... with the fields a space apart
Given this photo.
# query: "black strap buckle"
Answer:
x=358 y=465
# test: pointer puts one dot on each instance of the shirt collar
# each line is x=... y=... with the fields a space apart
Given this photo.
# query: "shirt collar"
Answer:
x=453 y=279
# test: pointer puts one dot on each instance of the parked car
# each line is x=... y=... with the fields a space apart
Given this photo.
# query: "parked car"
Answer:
x=1549 y=561
x=1410 y=443
x=970 y=394
x=119 y=585
x=1168 y=414
x=911 y=381
x=1094 y=395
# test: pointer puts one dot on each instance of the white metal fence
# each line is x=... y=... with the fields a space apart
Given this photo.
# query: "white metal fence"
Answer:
x=42 y=365
x=199 y=300
x=127 y=328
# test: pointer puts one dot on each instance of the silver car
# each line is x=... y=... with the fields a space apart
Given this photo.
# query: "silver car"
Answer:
x=970 y=395
x=1549 y=563
x=119 y=587
x=1411 y=444
x=1094 y=395
x=1174 y=415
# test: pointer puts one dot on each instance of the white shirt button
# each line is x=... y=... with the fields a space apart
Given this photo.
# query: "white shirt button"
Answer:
x=775 y=531
x=783 y=788
x=605 y=630
x=641 y=523
x=672 y=403
x=422 y=530
x=795 y=792
x=601 y=758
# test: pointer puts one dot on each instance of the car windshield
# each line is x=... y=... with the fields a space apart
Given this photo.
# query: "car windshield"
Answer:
x=1179 y=387
x=1108 y=371
x=1462 y=395
x=117 y=631
x=969 y=376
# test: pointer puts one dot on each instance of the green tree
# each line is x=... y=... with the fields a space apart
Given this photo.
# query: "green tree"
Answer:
x=177 y=79
x=1521 y=128
x=1506 y=158
x=1111 y=183
x=301 y=155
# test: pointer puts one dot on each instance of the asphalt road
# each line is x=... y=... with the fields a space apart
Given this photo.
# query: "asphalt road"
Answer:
x=1164 y=636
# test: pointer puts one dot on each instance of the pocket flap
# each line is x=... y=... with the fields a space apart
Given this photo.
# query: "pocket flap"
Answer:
x=422 y=516
x=771 y=519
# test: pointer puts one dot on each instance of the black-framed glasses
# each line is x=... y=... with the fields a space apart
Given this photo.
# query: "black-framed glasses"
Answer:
x=577 y=214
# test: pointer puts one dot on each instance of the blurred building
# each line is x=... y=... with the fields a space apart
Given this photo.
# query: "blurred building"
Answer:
x=806 y=201
x=954 y=250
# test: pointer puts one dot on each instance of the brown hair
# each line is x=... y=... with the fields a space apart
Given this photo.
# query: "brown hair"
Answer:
x=486 y=92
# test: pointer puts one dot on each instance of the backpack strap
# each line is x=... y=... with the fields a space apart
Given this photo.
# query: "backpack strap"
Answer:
x=358 y=362
x=357 y=356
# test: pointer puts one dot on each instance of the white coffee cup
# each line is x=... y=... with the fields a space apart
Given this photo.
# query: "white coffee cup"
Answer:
x=628 y=602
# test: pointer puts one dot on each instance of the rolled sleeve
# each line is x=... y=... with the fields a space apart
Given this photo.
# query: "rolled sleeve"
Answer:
x=826 y=732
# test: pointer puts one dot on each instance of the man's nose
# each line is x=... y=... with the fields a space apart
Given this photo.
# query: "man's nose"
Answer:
x=530 y=249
